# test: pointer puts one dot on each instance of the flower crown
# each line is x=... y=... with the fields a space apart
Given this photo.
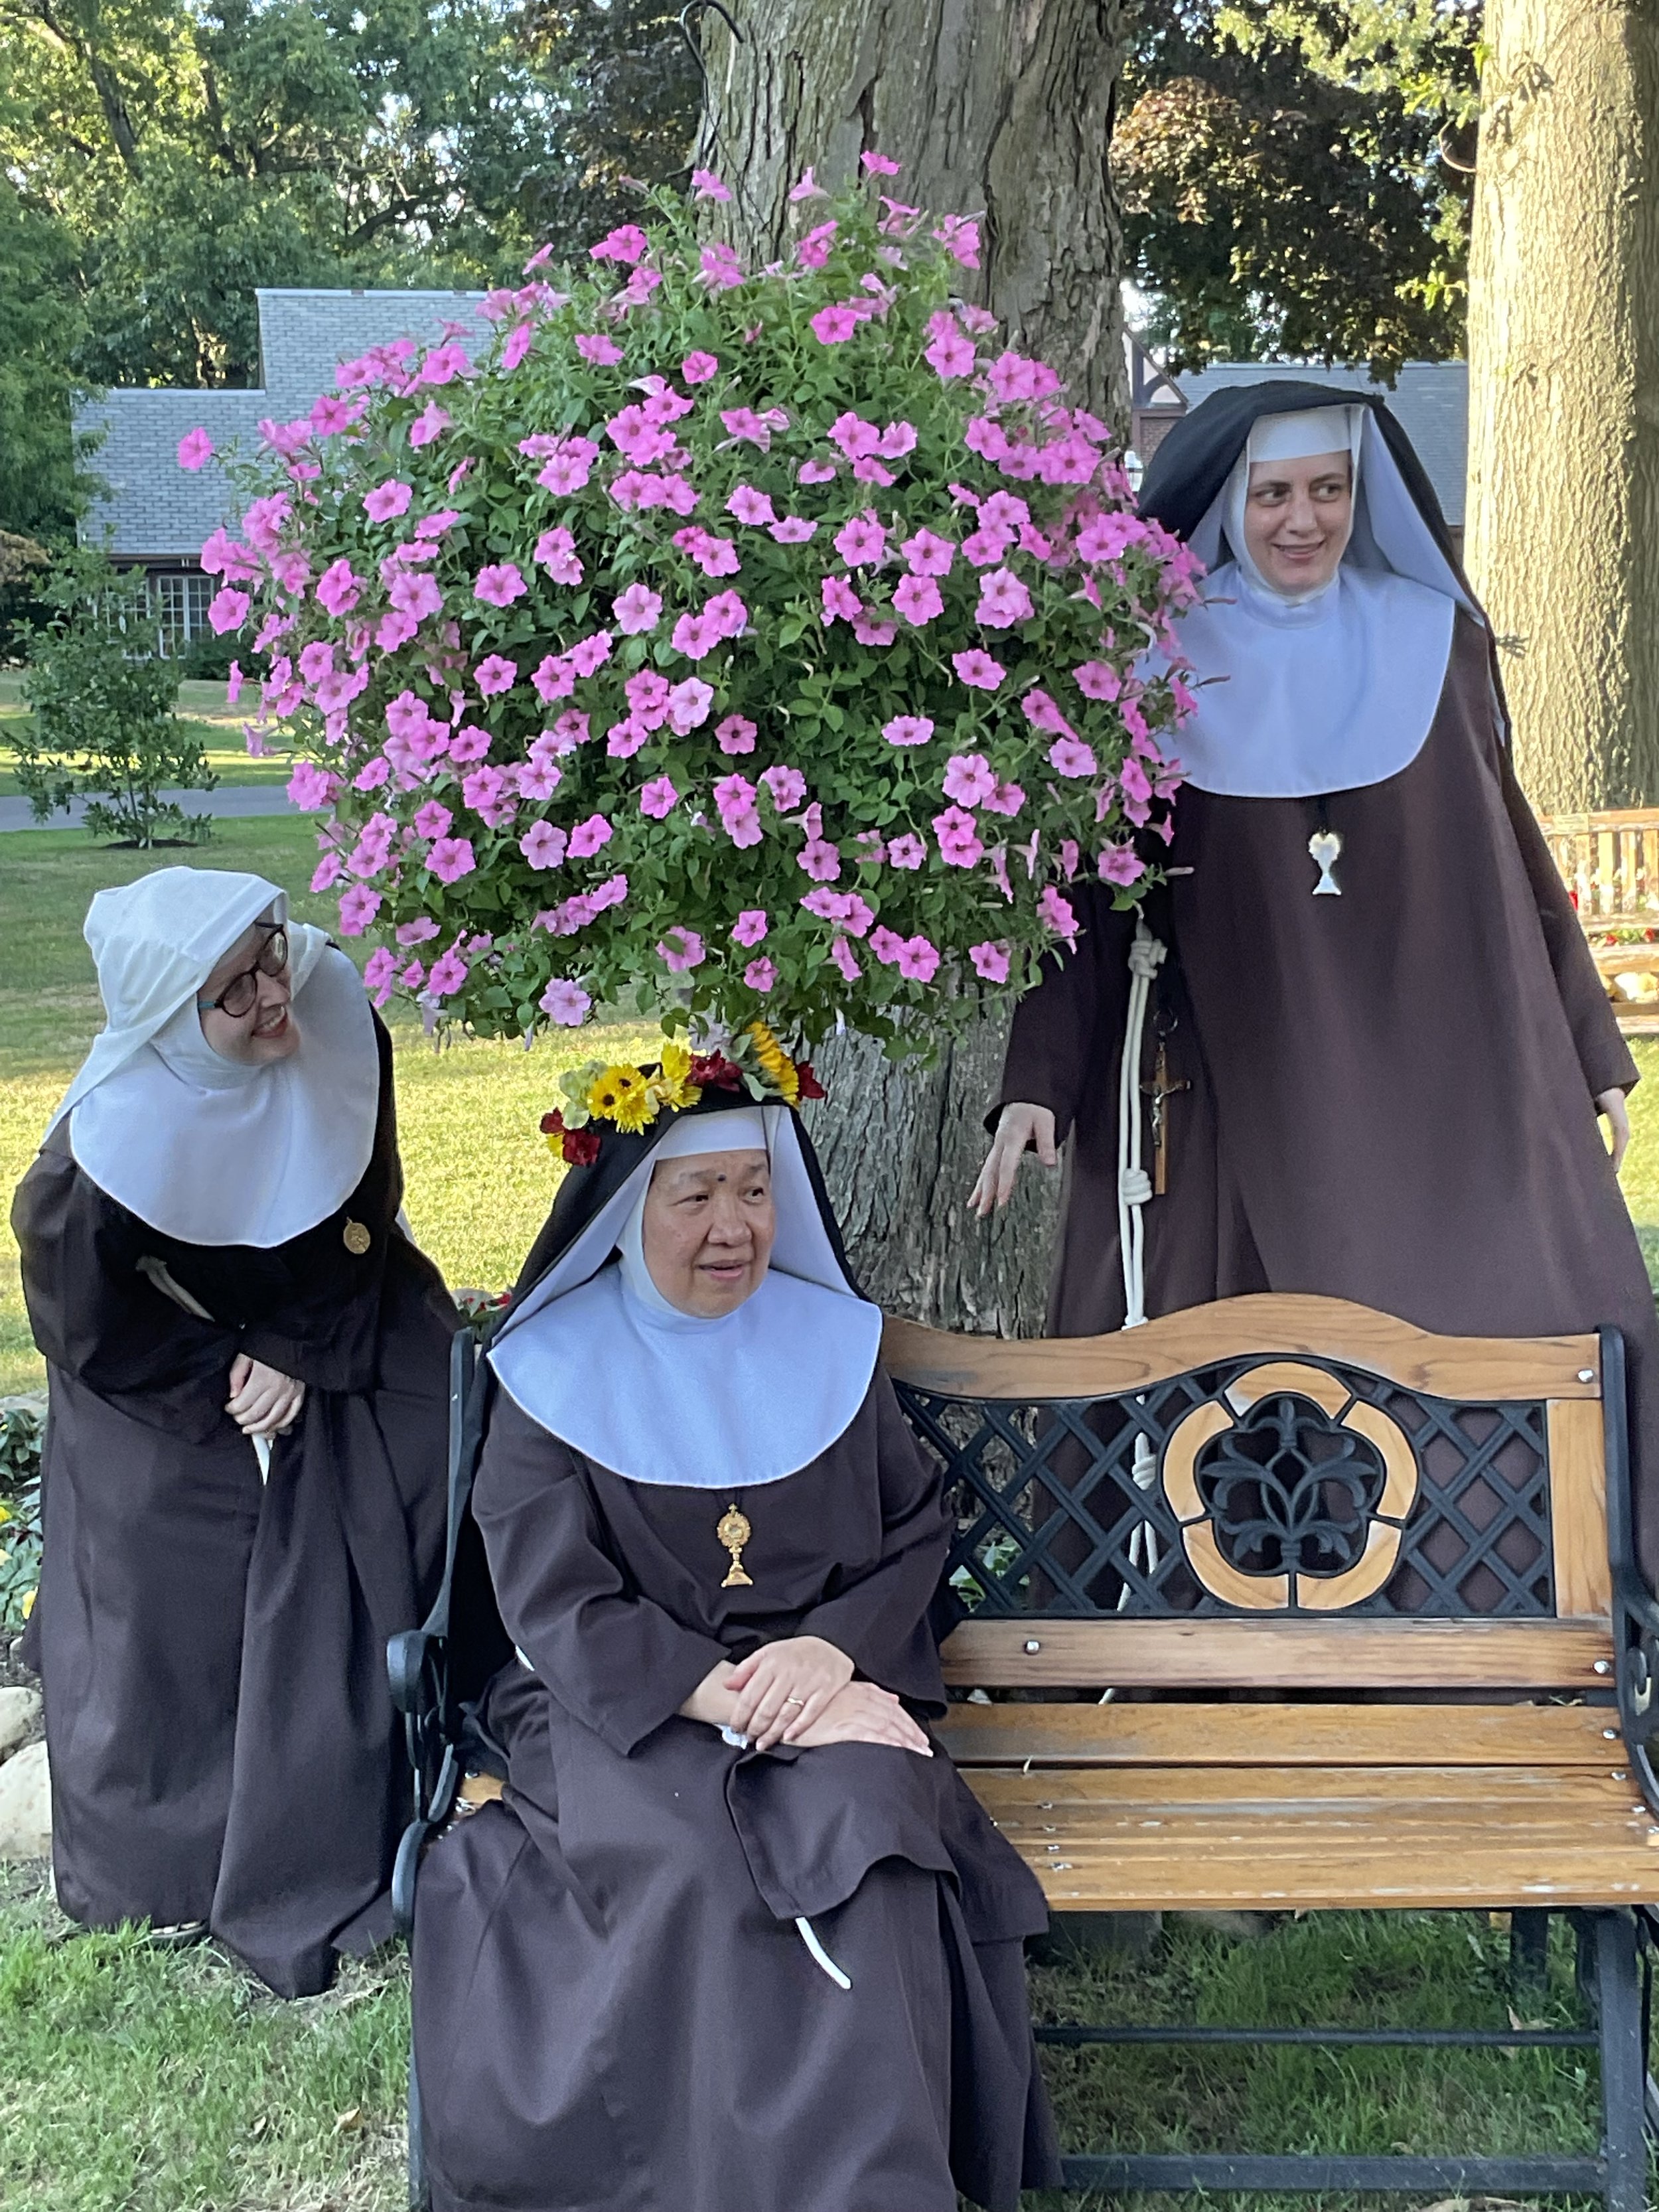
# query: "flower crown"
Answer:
x=632 y=1097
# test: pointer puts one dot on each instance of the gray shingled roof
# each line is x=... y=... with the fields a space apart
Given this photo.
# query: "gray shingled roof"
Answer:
x=1432 y=401
x=154 y=509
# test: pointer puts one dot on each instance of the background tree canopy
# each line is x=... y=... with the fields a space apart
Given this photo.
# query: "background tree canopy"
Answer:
x=1295 y=176
x=1291 y=174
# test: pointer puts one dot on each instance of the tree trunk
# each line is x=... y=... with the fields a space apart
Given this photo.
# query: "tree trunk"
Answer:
x=1563 y=369
x=1005 y=113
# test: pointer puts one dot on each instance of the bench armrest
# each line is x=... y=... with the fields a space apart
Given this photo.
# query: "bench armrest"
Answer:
x=1636 y=1640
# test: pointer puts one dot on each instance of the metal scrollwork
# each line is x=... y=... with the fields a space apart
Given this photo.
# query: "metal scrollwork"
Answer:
x=1288 y=1488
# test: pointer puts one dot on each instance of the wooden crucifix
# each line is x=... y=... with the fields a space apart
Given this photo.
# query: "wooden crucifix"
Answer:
x=1160 y=1091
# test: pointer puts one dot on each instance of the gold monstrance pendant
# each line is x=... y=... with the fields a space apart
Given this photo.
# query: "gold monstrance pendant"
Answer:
x=733 y=1531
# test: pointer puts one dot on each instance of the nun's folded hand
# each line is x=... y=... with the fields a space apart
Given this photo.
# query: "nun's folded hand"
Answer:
x=1020 y=1128
x=262 y=1403
x=782 y=1688
x=1610 y=1104
x=863 y=1713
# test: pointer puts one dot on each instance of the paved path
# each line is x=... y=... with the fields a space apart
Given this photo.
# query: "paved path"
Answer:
x=232 y=802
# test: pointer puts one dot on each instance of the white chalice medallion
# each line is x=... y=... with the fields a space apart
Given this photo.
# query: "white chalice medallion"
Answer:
x=1325 y=849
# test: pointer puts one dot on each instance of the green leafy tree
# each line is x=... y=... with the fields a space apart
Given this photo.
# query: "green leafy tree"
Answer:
x=103 y=728
x=1295 y=176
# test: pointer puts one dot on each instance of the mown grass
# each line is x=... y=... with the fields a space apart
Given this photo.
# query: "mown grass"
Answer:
x=202 y=708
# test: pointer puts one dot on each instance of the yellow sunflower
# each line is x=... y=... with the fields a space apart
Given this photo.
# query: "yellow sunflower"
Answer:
x=671 y=1085
x=621 y=1095
x=776 y=1062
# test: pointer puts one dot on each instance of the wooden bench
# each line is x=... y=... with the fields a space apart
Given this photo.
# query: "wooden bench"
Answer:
x=1422 y=1542
x=1610 y=863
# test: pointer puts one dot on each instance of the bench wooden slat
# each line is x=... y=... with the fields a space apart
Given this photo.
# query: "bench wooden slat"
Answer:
x=1207 y=1652
x=1458 y=1367
x=1129 y=1840
x=1578 y=1510
x=1301 y=1734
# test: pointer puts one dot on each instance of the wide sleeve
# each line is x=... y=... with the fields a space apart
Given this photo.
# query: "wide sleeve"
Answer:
x=1603 y=1053
x=1065 y=1030
x=95 y=1317
x=619 y=1663
x=880 y=1618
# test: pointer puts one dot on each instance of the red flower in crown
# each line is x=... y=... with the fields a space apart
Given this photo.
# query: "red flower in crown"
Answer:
x=713 y=1071
x=578 y=1148
x=809 y=1085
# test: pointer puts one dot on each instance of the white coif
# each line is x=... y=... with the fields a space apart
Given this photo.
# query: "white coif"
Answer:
x=204 y=1149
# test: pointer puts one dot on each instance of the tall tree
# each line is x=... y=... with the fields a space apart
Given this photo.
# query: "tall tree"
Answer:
x=1563 y=367
x=1006 y=113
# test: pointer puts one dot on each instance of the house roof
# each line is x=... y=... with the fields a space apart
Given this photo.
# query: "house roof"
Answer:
x=1430 y=401
x=153 y=509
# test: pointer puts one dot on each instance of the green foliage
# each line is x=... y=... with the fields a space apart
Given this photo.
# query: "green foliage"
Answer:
x=103 y=728
x=587 y=751
x=1295 y=177
x=20 y=1433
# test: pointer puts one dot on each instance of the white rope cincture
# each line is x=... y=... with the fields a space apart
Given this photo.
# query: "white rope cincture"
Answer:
x=820 y=1955
x=1135 y=1185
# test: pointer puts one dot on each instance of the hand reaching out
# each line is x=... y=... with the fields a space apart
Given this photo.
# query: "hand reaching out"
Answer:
x=1019 y=1127
x=262 y=1403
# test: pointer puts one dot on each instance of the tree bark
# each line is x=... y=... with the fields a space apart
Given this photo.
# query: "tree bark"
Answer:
x=1564 y=390
x=1003 y=112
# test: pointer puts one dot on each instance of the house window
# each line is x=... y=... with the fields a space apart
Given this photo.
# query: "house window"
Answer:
x=180 y=604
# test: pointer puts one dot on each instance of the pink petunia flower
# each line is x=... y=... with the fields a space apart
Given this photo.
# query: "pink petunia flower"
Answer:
x=905 y=851
x=794 y=530
x=706 y=186
x=695 y=635
x=907 y=730
x=816 y=473
x=1096 y=680
x=750 y=506
x=388 y=500
x=1120 y=864
x=602 y=351
x=227 y=611
x=727 y=611
x=845 y=959
x=950 y=355
x=969 y=779
x=358 y=908
x=498 y=586
x=565 y=1003
x=736 y=734
x=700 y=367
x=928 y=554
x=659 y=798
x=448 y=975
x=854 y=435
x=432 y=820
x=1007 y=798
x=835 y=324
x=625 y=738
x=329 y=870
x=886 y=945
x=719 y=267
x=543 y=845
x=627 y=244
x=431 y=423
x=685 y=949
x=917 y=599
x=861 y=542
x=1070 y=756
x=590 y=653
x=841 y=602
x=750 y=926
x=195 y=449
x=555 y=552
x=553 y=678
x=451 y=858
x=379 y=971
x=868 y=631
x=339 y=588
x=1003 y=600
x=959 y=844
x=311 y=786
x=413 y=593
x=734 y=801
x=820 y=860
x=990 y=961
x=518 y=345
x=978 y=669
x=715 y=556
x=637 y=609
x=1058 y=914
x=760 y=975
x=787 y=787
x=495 y=674
x=918 y=960
x=416 y=932
x=687 y=704
x=877 y=165
x=588 y=838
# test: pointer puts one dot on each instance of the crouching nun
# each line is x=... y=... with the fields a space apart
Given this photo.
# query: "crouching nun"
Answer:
x=245 y=1464
x=736 y=1938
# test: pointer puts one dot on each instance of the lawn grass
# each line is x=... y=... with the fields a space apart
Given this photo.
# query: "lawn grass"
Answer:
x=201 y=707
x=136 y=2081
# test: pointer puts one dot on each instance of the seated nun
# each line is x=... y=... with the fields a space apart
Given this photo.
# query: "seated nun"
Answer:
x=244 y=1471
x=737 y=1937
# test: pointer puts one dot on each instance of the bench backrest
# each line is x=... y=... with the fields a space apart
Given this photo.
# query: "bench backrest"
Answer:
x=1277 y=1491
x=1610 y=863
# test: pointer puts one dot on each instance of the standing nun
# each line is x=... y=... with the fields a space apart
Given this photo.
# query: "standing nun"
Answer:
x=736 y=1938
x=1373 y=1044
x=245 y=1463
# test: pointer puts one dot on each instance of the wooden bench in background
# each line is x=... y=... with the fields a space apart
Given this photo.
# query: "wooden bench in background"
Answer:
x=1423 y=1542
x=1610 y=863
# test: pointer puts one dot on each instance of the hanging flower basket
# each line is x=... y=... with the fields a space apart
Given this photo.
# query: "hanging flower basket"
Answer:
x=721 y=644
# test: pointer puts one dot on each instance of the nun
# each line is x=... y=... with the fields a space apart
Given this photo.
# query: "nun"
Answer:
x=736 y=1937
x=1358 y=1045
x=245 y=1463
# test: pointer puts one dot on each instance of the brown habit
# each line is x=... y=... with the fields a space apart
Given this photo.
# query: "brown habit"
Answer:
x=1391 y=1093
x=614 y=2010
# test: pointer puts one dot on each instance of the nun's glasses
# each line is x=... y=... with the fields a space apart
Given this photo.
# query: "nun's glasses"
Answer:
x=238 y=995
